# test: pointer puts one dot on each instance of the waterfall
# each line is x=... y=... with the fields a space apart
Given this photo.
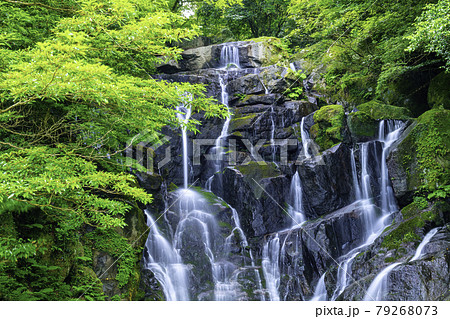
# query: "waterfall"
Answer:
x=229 y=58
x=305 y=138
x=270 y=265
x=244 y=244
x=320 y=292
x=295 y=208
x=393 y=129
x=424 y=242
x=355 y=177
x=183 y=115
x=166 y=264
x=378 y=288
x=344 y=270
x=373 y=224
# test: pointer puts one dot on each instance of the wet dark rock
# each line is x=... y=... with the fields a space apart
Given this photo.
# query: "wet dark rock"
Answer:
x=259 y=198
x=327 y=181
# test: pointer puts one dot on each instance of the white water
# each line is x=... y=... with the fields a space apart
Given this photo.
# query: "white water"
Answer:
x=183 y=115
x=270 y=266
x=305 y=139
x=377 y=288
x=355 y=177
x=320 y=292
x=393 y=129
x=229 y=59
x=424 y=242
x=295 y=208
x=166 y=264
x=374 y=223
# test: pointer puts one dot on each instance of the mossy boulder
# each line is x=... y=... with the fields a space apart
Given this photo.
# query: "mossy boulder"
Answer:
x=439 y=91
x=329 y=125
x=377 y=110
x=415 y=217
x=269 y=50
x=409 y=90
x=362 y=126
x=421 y=160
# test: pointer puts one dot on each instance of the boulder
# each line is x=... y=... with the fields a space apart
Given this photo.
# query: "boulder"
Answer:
x=327 y=181
x=329 y=126
x=409 y=90
x=420 y=159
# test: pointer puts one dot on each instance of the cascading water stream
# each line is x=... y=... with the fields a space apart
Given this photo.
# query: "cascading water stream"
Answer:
x=229 y=59
x=184 y=114
x=422 y=245
x=271 y=269
x=166 y=264
x=305 y=139
x=295 y=208
x=320 y=292
x=378 y=288
x=373 y=224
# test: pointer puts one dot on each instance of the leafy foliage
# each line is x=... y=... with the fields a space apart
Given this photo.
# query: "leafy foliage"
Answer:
x=75 y=92
x=247 y=19
x=432 y=31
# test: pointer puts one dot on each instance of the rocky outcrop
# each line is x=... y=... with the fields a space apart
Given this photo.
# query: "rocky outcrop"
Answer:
x=420 y=159
x=258 y=193
x=327 y=181
x=308 y=251
x=251 y=55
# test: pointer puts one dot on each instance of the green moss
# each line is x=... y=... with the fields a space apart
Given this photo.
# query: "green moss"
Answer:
x=237 y=134
x=172 y=187
x=377 y=110
x=256 y=171
x=412 y=209
x=117 y=246
x=438 y=92
x=407 y=230
x=276 y=50
x=328 y=128
x=361 y=124
x=424 y=154
x=210 y=197
x=244 y=122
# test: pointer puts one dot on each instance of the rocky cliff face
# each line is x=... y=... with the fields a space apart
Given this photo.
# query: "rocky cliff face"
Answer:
x=271 y=137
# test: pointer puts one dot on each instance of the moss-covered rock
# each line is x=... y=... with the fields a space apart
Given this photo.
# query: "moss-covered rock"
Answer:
x=244 y=122
x=439 y=91
x=415 y=217
x=377 y=110
x=362 y=125
x=408 y=90
x=329 y=125
x=422 y=160
x=270 y=50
